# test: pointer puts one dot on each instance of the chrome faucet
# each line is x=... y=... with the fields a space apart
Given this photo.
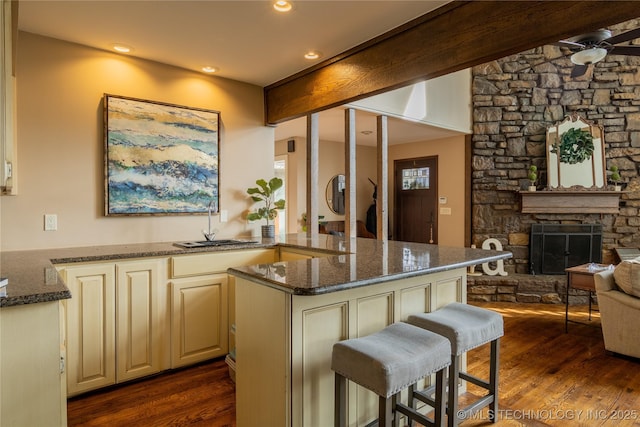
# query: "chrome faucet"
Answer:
x=210 y=234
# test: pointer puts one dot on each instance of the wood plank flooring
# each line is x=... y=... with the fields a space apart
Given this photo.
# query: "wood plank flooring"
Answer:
x=547 y=378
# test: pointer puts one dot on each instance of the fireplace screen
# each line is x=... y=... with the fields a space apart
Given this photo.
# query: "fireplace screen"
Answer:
x=554 y=247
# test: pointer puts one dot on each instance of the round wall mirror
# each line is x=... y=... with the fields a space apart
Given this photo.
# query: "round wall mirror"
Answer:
x=335 y=194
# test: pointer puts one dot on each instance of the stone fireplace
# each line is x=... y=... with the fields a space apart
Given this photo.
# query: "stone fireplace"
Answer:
x=515 y=100
x=554 y=247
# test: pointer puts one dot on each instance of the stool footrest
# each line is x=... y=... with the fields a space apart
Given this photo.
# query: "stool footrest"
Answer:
x=475 y=380
x=414 y=415
x=476 y=406
x=425 y=395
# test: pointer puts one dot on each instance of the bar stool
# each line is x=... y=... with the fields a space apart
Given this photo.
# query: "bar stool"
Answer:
x=466 y=327
x=386 y=362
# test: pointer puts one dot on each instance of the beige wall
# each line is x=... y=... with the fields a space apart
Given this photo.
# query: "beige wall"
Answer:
x=450 y=152
x=60 y=146
x=331 y=156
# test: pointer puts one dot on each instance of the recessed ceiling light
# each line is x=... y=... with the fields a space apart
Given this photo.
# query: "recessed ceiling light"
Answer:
x=282 y=6
x=313 y=54
x=122 y=48
x=209 y=69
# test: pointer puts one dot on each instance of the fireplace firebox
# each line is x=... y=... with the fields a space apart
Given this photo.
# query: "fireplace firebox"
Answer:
x=554 y=247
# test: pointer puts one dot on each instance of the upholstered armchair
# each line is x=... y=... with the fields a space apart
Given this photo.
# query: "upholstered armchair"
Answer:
x=618 y=294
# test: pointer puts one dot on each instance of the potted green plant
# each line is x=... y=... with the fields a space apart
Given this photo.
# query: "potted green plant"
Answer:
x=614 y=176
x=265 y=193
x=532 y=176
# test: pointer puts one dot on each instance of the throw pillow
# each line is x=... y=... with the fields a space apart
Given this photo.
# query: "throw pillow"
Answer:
x=627 y=276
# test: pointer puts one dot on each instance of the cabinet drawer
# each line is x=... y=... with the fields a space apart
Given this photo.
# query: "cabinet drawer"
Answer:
x=583 y=281
x=207 y=263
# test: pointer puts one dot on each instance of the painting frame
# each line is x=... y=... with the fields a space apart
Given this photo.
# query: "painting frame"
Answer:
x=160 y=158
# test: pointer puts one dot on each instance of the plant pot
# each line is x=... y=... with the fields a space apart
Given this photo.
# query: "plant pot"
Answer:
x=617 y=188
x=532 y=188
x=269 y=231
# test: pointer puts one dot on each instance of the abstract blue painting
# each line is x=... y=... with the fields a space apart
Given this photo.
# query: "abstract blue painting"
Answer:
x=160 y=158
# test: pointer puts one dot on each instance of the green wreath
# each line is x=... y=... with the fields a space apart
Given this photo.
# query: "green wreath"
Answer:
x=576 y=146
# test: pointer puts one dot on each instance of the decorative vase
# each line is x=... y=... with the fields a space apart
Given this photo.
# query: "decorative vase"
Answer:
x=269 y=231
x=532 y=188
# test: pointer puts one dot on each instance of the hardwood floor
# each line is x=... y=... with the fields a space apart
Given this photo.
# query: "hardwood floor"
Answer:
x=547 y=378
x=203 y=395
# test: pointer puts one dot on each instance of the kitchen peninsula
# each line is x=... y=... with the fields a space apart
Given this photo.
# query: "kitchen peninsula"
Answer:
x=295 y=296
x=289 y=314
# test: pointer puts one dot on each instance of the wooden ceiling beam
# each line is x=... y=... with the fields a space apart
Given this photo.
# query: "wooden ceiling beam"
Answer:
x=455 y=36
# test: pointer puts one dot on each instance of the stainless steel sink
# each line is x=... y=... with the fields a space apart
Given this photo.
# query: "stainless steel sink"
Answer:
x=210 y=243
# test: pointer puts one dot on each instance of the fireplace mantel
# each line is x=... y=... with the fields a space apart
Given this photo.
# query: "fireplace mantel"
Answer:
x=586 y=201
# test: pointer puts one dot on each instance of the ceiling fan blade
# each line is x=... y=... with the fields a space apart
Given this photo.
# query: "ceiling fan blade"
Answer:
x=625 y=50
x=579 y=70
x=569 y=44
x=629 y=35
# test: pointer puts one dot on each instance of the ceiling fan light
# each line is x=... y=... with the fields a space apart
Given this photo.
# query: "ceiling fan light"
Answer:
x=589 y=56
x=282 y=6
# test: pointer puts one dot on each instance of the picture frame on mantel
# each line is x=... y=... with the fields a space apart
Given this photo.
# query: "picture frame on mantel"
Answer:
x=160 y=159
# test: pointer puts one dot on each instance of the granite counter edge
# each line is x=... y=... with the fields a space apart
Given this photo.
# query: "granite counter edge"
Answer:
x=302 y=291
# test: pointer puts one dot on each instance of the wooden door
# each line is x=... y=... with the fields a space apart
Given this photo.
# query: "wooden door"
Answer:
x=416 y=194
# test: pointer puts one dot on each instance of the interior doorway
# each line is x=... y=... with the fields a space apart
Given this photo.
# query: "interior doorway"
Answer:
x=416 y=200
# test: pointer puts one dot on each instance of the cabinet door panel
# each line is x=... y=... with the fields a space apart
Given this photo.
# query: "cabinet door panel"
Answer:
x=90 y=328
x=138 y=319
x=374 y=313
x=414 y=300
x=328 y=325
x=199 y=321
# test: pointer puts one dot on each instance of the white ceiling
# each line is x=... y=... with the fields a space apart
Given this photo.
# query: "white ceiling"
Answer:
x=247 y=40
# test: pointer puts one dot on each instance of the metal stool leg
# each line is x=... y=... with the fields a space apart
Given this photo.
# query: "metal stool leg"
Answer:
x=394 y=402
x=440 y=408
x=385 y=412
x=493 y=379
x=452 y=401
x=340 y=405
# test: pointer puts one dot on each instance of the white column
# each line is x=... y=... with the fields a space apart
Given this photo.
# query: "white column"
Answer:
x=313 y=139
x=350 y=228
x=382 y=210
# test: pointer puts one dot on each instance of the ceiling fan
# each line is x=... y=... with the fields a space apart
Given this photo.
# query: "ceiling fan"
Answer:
x=593 y=47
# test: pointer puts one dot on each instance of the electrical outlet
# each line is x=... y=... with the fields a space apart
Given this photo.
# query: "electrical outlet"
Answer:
x=50 y=222
x=50 y=276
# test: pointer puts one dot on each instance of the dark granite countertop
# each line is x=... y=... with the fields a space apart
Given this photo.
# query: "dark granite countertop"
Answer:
x=363 y=262
x=33 y=277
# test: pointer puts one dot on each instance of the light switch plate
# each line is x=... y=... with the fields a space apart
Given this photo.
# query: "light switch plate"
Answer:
x=224 y=215
x=50 y=222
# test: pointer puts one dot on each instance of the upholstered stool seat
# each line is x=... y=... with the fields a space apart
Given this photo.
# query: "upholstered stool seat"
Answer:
x=388 y=361
x=466 y=327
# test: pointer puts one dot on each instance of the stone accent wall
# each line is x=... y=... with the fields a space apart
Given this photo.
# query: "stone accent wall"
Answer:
x=515 y=99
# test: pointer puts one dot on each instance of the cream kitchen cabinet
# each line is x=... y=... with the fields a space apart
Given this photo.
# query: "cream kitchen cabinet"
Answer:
x=115 y=322
x=200 y=302
x=132 y=318
x=284 y=344
x=199 y=319
x=32 y=383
